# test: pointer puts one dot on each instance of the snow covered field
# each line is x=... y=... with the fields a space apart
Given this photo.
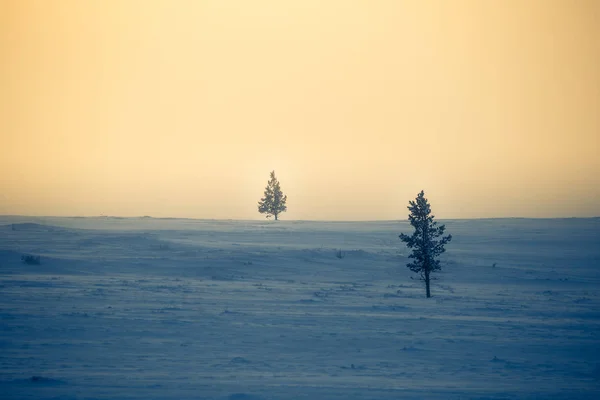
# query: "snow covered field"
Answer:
x=143 y=308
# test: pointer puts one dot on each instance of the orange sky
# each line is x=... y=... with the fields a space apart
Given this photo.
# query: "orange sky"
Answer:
x=181 y=108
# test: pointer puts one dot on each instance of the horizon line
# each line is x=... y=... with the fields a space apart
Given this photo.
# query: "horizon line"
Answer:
x=284 y=220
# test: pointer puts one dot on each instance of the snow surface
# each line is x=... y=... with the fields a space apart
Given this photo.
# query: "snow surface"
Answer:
x=143 y=308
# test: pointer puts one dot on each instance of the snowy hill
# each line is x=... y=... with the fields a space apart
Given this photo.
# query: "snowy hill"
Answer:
x=144 y=308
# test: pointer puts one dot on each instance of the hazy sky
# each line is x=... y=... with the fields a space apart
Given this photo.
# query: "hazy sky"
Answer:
x=181 y=108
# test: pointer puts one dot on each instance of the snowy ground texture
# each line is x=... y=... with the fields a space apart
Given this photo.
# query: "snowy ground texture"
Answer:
x=144 y=308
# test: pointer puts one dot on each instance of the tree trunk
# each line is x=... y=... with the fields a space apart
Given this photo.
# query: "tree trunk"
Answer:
x=427 y=285
x=275 y=217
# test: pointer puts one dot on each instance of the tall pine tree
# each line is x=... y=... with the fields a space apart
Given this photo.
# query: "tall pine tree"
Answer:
x=273 y=202
x=427 y=242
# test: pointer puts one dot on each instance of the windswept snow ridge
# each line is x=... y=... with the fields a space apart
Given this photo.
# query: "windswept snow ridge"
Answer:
x=144 y=308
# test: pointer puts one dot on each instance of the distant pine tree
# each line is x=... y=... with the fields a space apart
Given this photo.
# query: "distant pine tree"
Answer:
x=427 y=242
x=273 y=202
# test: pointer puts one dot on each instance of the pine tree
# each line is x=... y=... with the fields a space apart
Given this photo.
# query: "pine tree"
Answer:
x=273 y=202
x=427 y=242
